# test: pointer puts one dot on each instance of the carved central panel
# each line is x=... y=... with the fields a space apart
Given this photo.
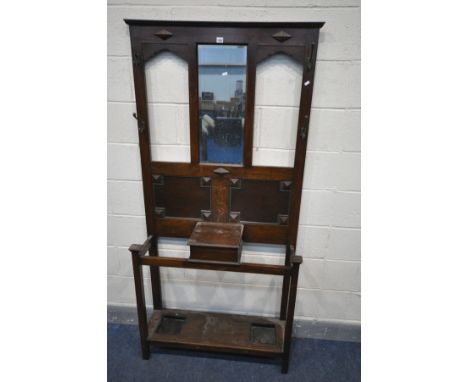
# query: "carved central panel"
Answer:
x=183 y=197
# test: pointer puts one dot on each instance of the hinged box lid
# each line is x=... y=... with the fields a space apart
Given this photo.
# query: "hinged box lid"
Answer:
x=222 y=235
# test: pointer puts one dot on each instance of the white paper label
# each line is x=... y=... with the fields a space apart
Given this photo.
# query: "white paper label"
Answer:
x=219 y=40
x=306 y=83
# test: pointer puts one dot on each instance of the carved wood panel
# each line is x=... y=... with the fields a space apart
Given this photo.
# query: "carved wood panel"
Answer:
x=183 y=197
x=261 y=201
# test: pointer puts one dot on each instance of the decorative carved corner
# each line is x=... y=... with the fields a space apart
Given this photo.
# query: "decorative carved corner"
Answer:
x=221 y=171
x=160 y=212
x=205 y=181
x=283 y=219
x=285 y=185
x=163 y=34
x=234 y=217
x=236 y=183
x=205 y=215
x=158 y=180
x=281 y=36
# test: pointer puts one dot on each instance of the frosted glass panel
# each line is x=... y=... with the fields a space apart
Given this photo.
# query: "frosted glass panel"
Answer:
x=221 y=87
x=277 y=97
x=168 y=108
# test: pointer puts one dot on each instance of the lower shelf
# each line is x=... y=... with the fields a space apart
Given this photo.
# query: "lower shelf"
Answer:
x=230 y=333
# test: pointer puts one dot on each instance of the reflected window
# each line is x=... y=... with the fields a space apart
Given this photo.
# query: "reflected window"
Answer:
x=221 y=92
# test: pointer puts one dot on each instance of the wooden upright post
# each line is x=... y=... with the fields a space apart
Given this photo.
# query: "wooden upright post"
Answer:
x=296 y=261
x=155 y=276
x=140 y=300
x=286 y=285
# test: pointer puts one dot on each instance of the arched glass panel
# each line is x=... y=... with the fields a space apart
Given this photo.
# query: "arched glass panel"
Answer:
x=168 y=108
x=277 y=97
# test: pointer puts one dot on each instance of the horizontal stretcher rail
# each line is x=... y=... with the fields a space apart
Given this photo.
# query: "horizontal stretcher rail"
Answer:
x=175 y=262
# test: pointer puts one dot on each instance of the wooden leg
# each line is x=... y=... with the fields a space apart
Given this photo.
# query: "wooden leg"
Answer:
x=285 y=296
x=286 y=286
x=285 y=364
x=155 y=277
x=141 y=304
x=156 y=287
x=290 y=313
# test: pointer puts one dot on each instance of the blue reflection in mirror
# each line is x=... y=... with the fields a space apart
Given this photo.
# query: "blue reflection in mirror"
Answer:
x=221 y=92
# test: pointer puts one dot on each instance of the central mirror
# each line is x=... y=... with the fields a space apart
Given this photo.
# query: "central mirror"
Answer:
x=221 y=92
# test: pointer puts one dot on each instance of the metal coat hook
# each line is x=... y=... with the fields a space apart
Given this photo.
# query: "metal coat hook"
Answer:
x=141 y=123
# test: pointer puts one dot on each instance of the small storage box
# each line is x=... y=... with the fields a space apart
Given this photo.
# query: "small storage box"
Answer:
x=216 y=242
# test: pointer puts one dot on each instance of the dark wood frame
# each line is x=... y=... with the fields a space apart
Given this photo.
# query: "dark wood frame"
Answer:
x=148 y=38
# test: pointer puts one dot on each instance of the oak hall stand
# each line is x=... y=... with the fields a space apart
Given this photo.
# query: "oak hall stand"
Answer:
x=220 y=200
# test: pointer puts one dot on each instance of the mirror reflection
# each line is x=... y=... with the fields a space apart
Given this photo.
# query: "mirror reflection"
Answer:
x=221 y=84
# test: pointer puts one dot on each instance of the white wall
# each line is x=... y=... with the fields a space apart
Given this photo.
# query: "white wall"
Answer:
x=329 y=234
